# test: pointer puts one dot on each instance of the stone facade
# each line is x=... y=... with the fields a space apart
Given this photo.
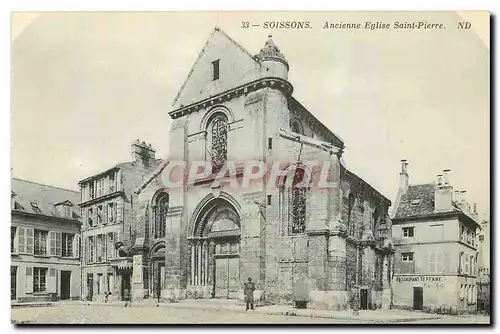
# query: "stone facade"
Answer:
x=108 y=217
x=214 y=236
x=45 y=243
x=434 y=233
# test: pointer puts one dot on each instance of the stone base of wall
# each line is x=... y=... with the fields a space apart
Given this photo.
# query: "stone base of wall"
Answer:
x=442 y=309
x=329 y=300
x=197 y=291
x=386 y=299
x=174 y=294
x=376 y=301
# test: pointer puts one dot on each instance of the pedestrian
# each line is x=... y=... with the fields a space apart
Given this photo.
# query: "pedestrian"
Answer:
x=106 y=296
x=126 y=295
x=249 y=289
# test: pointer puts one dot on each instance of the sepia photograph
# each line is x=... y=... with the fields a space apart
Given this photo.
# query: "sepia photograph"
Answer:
x=219 y=167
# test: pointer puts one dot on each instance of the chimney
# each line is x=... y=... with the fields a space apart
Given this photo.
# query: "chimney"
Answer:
x=143 y=153
x=446 y=176
x=440 y=179
x=443 y=194
x=403 y=177
x=474 y=212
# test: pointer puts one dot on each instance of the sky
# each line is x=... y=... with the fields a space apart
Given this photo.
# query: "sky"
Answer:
x=86 y=85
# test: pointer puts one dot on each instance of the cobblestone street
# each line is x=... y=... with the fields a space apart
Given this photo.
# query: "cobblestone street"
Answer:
x=96 y=314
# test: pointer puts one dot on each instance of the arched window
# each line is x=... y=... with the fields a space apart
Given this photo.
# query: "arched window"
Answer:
x=161 y=209
x=376 y=217
x=296 y=126
x=350 y=206
x=217 y=141
x=298 y=203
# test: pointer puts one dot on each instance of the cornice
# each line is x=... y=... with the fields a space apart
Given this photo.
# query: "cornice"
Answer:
x=272 y=82
x=102 y=198
x=45 y=217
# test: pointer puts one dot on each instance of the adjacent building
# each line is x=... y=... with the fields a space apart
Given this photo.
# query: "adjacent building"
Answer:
x=434 y=232
x=45 y=242
x=107 y=204
x=311 y=247
x=484 y=275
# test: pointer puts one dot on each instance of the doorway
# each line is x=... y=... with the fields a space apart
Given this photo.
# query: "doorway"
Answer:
x=418 y=298
x=65 y=284
x=158 y=277
x=364 y=299
x=90 y=286
x=125 y=288
x=227 y=277
x=13 y=283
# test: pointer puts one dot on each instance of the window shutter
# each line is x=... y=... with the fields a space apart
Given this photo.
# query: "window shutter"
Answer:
x=51 y=281
x=104 y=214
x=119 y=211
x=21 y=240
x=86 y=251
x=104 y=248
x=462 y=292
x=439 y=262
x=115 y=239
x=466 y=264
x=29 y=280
x=432 y=262
x=425 y=265
x=446 y=262
x=76 y=246
x=471 y=265
x=461 y=263
x=29 y=240
x=52 y=243
x=58 y=243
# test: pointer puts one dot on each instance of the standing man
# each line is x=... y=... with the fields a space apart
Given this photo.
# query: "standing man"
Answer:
x=249 y=289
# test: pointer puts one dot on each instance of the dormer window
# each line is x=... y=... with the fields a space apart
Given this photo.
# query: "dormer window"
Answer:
x=215 y=70
x=415 y=202
x=34 y=206
x=63 y=209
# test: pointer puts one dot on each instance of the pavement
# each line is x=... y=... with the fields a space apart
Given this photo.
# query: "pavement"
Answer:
x=231 y=307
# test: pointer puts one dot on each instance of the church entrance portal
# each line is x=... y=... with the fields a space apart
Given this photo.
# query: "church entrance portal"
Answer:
x=214 y=250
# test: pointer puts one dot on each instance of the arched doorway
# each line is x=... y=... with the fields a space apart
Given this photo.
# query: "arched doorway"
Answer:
x=157 y=269
x=214 y=249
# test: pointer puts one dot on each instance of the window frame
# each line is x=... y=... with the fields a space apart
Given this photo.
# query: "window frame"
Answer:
x=216 y=70
x=161 y=211
x=37 y=279
x=40 y=239
x=297 y=218
x=67 y=246
x=408 y=255
x=218 y=130
x=408 y=229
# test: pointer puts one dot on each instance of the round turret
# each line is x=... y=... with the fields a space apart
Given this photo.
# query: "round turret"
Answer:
x=273 y=60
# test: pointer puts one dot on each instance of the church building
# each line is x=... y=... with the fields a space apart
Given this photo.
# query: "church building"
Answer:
x=311 y=247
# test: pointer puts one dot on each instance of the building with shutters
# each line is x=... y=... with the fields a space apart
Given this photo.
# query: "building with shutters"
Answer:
x=434 y=233
x=45 y=242
x=307 y=247
x=107 y=203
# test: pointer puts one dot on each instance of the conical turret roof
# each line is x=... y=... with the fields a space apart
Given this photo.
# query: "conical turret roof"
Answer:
x=271 y=52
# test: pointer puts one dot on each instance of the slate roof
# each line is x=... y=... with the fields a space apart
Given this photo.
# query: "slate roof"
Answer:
x=44 y=196
x=418 y=201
